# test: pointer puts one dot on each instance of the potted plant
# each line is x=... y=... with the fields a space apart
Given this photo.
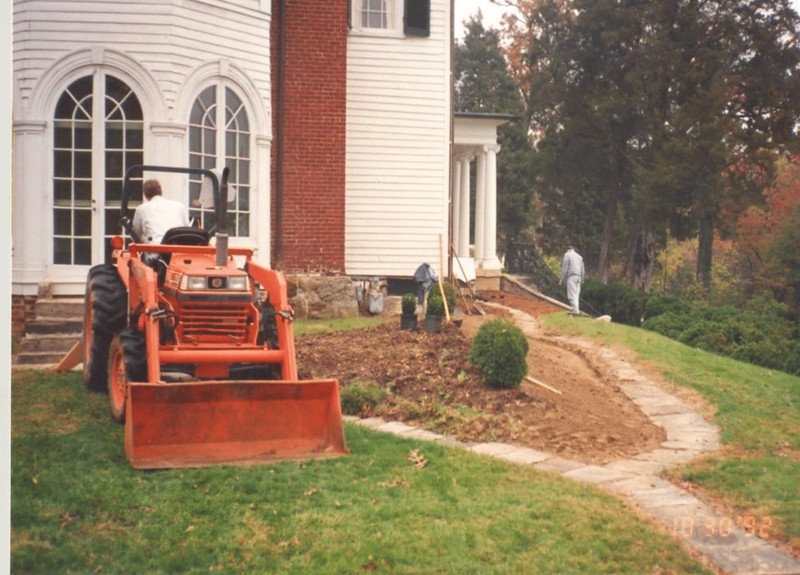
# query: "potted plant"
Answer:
x=408 y=306
x=434 y=312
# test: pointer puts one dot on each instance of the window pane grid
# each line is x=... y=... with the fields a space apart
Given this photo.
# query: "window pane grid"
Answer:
x=203 y=153
x=72 y=174
x=124 y=132
x=74 y=152
x=376 y=13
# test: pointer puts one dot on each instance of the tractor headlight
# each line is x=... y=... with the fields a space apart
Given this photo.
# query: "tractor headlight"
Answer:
x=200 y=283
x=238 y=283
x=194 y=282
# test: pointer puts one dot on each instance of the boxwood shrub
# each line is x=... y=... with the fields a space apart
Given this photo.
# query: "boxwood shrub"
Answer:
x=499 y=350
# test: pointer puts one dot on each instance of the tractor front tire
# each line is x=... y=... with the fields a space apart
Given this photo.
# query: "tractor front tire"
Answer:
x=127 y=361
x=105 y=314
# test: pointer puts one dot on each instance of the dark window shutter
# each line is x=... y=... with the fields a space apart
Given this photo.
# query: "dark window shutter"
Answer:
x=417 y=18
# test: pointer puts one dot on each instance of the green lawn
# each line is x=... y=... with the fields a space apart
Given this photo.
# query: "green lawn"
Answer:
x=391 y=506
x=757 y=472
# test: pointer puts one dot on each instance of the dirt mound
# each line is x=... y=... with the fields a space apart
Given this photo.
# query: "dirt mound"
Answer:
x=433 y=385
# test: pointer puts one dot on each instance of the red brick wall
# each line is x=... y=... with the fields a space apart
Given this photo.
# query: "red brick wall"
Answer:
x=22 y=311
x=308 y=233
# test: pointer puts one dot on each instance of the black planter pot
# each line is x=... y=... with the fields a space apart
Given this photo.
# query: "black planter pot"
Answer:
x=408 y=321
x=432 y=323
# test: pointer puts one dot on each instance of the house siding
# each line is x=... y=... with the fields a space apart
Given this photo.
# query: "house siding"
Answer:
x=169 y=39
x=398 y=132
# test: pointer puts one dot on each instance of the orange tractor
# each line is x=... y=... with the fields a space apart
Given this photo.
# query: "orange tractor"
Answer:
x=197 y=352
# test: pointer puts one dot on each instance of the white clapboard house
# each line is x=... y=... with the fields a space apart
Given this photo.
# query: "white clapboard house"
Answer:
x=335 y=118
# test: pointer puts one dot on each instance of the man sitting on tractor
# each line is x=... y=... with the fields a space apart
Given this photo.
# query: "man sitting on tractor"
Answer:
x=157 y=214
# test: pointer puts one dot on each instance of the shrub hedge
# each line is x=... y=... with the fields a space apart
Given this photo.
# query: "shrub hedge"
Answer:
x=761 y=334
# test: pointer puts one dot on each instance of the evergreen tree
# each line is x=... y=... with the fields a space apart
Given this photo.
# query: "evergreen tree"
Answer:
x=659 y=114
x=484 y=85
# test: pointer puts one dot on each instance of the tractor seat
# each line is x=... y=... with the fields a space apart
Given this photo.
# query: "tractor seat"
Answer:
x=182 y=236
x=185 y=236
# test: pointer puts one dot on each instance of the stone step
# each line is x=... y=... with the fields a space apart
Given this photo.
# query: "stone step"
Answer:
x=38 y=358
x=54 y=326
x=59 y=308
x=52 y=343
x=57 y=327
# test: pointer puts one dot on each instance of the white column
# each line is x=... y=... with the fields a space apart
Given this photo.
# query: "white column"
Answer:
x=455 y=206
x=463 y=241
x=490 y=259
x=261 y=216
x=31 y=207
x=480 y=209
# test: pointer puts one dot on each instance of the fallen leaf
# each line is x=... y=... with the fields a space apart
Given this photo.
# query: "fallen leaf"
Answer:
x=415 y=457
x=294 y=542
x=312 y=491
x=66 y=519
x=396 y=482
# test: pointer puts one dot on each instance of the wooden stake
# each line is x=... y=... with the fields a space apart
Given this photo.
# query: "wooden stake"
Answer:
x=466 y=281
x=542 y=384
x=441 y=287
x=73 y=357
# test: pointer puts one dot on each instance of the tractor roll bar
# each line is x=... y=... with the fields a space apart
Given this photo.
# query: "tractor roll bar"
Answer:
x=220 y=188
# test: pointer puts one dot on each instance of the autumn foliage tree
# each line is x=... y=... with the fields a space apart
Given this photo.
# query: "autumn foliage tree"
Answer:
x=769 y=237
x=654 y=117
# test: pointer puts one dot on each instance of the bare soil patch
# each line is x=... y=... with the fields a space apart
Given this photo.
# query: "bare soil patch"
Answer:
x=433 y=385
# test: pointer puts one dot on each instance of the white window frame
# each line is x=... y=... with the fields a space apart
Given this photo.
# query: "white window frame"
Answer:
x=223 y=155
x=98 y=176
x=394 y=19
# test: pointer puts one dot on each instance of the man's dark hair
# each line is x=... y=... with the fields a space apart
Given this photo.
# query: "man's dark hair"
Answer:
x=151 y=188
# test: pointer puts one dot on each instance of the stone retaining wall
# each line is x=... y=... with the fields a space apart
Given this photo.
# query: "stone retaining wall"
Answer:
x=317 y=296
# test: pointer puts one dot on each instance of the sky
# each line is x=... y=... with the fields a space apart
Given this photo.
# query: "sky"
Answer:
x=466 y=8
x=492 y=14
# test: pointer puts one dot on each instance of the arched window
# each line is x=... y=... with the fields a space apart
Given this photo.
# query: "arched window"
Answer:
x=97 y=134
x=219 y=135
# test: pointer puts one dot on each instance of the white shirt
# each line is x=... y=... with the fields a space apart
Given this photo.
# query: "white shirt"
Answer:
x=571 y=265
x=153 y=218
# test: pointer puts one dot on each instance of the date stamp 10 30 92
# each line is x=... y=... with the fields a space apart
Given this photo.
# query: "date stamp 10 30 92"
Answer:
x=710 y=526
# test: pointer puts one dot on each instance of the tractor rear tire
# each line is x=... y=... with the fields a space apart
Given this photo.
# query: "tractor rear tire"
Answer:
x=105 y=314
x=127 y=361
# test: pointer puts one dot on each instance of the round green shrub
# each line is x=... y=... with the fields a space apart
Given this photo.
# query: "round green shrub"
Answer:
x=435 y=304
x=498 y=350
x=408 y=304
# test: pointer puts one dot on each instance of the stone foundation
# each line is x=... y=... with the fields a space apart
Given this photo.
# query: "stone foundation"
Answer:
x=316 y=296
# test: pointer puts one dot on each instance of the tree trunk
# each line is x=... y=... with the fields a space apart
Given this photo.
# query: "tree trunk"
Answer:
x=643 y=259
x=704 y=250
x=604 y=262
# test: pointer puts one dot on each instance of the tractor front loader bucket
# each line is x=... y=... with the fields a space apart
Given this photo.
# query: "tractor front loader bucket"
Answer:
x=232 y=422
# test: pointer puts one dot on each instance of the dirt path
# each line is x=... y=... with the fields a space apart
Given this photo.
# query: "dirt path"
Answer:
x=434 y=386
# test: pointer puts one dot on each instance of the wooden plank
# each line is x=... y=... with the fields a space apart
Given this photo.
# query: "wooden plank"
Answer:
x=542 y=384
x=73 y=357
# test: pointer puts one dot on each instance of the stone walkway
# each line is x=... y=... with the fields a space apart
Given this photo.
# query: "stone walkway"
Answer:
x=716 y=537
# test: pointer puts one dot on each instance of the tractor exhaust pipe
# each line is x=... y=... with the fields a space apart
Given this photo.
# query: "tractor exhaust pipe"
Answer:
x=221 y=207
